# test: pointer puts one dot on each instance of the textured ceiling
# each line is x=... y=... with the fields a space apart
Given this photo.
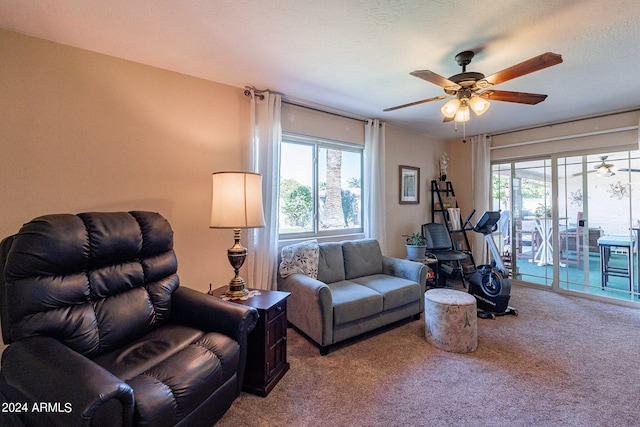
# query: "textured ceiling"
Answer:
x=356 y=55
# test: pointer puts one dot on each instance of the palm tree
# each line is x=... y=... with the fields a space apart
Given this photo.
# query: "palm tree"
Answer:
x=354 y=182
x=333 y=215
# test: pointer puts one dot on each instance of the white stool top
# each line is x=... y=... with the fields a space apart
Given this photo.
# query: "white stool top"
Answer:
x=449 y=297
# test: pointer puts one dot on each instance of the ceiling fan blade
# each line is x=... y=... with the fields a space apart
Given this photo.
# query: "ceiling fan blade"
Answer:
x=436 y=79
x=508 y=96
x=580 y=173
x=629 y=170
x=540 y=62
x=435 y=98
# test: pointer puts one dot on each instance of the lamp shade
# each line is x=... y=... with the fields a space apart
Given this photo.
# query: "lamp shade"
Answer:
x=462 y=115
x=236 y=200
x=449 y=109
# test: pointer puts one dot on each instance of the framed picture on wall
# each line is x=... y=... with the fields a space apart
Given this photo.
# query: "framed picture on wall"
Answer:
x=409 y=185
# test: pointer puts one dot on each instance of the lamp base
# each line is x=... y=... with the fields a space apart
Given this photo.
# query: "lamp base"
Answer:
x=236 y=290
x=236 y=254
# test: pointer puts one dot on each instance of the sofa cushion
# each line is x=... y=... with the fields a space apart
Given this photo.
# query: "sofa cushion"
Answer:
x=352 y=301
x=395 y=291
x=361 y=258
x=147 y=351
x=330 y=263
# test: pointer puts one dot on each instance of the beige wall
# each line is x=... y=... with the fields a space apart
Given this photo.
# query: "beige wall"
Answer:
x=80 y=131
x=460 y=174
x=408 y=149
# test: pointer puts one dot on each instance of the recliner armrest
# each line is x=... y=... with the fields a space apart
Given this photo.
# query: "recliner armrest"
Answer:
x=211 y=314
x=35 y=366
x=406 y=269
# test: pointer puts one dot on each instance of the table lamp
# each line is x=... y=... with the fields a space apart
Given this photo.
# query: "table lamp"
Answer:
x=236 y=203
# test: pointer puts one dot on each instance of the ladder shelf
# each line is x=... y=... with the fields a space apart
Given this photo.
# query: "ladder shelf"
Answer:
x=443 y=197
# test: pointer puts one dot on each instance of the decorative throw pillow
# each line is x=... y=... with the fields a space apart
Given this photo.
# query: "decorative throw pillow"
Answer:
x=300 y=258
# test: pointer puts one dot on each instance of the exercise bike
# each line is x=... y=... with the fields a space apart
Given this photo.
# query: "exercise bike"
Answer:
x=490 y=284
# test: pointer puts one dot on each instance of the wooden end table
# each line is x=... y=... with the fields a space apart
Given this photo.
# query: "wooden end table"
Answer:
x=267 y=352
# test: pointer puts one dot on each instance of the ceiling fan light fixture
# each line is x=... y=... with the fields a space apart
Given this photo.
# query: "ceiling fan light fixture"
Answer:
x=605 y=170
x=479 y=105
x=462 y=115
x=450 y=108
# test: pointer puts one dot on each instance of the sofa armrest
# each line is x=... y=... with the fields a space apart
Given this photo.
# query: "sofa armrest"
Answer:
x=310 y=307
x=90 y=395
x=406 y=269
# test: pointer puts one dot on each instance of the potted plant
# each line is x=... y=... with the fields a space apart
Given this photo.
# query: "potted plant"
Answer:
x=416 y=246
x=543 y=211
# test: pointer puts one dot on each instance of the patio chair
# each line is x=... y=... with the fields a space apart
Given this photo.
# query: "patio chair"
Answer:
x=527 y=236
x=571 y=240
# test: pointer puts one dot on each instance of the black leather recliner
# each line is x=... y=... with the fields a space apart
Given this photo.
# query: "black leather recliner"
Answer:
x=101 y=334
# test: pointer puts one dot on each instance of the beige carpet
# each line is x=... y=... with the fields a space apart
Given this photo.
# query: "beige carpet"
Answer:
x=563 y=361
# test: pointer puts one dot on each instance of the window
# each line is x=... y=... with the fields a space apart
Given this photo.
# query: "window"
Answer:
x=320 y=187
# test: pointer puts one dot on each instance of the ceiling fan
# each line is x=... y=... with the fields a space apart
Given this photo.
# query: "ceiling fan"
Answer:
x=605 y=169
x=472 y=89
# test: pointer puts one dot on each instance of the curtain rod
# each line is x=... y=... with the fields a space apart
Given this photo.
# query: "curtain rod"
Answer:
x=614 y=113
x=304 y=104
x=257 y=94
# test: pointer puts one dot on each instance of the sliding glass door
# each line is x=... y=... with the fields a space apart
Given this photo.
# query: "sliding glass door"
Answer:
x=600 y=223
x=588 y=242
x=522 y=192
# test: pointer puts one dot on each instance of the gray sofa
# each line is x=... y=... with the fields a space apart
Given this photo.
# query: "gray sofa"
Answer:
x=357 y=289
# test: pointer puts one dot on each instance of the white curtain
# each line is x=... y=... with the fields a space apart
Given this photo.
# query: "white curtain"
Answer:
x=266 y=136
x=481 y=181
x=373 y=201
